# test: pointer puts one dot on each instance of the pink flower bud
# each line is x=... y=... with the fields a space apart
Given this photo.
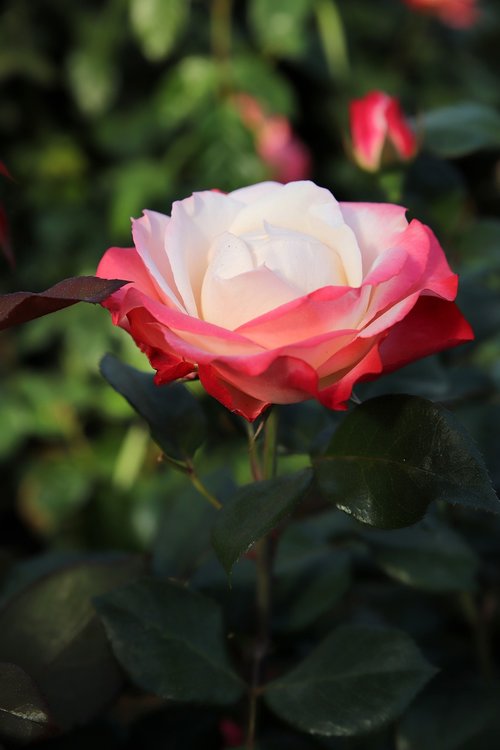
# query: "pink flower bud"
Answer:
x=376 y=122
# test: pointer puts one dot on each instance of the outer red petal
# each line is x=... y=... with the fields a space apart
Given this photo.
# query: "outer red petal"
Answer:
x=432 y=325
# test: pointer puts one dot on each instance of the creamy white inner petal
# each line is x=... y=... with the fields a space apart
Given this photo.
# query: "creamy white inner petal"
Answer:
x=260 y=270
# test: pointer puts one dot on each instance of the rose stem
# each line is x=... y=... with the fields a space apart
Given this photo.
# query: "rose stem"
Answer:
x=263 y=562
x=187 y=468
x=220 y=31
x=479 y=627
x=196 y=482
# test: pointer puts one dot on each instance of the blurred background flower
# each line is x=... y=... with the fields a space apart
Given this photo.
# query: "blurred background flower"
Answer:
x=457 y=13
x=287 y=157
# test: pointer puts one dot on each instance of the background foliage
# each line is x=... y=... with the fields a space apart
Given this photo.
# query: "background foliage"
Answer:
x=111 y=107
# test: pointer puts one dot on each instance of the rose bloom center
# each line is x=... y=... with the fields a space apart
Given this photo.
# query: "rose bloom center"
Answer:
x=264 y=268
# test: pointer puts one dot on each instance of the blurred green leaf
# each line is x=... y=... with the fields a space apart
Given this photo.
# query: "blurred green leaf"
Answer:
x=461 y=129
x=94 y=80
x=258 y=77
x=358 y=679
x=53 y=489
x=280 y=26
x=137 y=184
x=186 y=88
x=23 y=712
x=254 y=511
x=174 y=416
x=158 y=25
x=170 y=640
x=429 y=556
x=50 y=630
x=393 y=455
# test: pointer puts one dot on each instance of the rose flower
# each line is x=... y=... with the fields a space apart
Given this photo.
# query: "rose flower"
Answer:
x=278 y=293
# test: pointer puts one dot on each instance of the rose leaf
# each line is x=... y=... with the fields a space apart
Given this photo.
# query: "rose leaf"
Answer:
x=24 y=716
x=19 y=307
x=170 y=641
x=174 y=416
x=393 y=455
x=357 y=680
x=428 y=556
x=51 y=631
x=255 y=510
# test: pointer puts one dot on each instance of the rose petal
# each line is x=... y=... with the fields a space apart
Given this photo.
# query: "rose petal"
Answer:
x=149 y=239
x=303 y=207
x=194 y=225
x=376 y=227
x=432 y=325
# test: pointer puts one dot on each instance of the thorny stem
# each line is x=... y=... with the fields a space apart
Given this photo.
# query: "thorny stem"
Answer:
x=263 y=562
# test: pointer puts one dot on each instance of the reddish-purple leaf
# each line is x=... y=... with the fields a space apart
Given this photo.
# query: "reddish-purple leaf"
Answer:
x=5 y=245
x=5 y=171
x=20 y=307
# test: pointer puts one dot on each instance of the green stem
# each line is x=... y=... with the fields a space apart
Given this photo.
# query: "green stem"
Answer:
x=202 y=489
x=263 y=564
x=270 y=439
x=480 y=632
x=220 y=32
x=253 y=455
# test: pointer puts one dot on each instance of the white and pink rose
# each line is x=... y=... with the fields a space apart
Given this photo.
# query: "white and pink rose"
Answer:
x=274 y=294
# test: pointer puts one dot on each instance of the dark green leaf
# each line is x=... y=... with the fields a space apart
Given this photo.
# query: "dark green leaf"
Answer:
x=482 y=235
x=482 y=420
x=480 y=304
x=238 y=600
x=19 y=307
x=429 y=556
x=182 y=541
x=171 y=642
x=255 y=510
x=393 y=455
x=308 y=583
x=452 y=716
x=51 y=631
x=174 y=416
x=357 y=680
x=24 y=715
x=461 y=129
